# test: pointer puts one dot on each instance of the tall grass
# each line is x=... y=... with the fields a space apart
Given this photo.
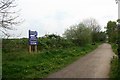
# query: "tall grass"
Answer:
x=115 y=65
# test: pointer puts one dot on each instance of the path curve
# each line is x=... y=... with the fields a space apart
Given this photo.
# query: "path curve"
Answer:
x=94 y=65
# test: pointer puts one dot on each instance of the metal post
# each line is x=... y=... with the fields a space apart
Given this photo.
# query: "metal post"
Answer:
x=118 y=1
x=119 y=9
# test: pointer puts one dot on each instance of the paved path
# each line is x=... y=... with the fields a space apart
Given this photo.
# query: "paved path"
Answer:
x=94 y=65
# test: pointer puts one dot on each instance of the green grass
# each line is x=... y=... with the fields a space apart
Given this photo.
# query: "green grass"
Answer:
x=115 y=69
x=115 y=66
x=41 y=64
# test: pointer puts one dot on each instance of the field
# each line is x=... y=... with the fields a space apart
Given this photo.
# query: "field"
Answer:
x=19 y=63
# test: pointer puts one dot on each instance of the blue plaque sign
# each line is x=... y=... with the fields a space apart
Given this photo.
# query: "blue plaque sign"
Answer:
x=33 y=38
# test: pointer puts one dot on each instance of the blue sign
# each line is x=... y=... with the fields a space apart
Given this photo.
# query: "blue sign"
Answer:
x=33 y=38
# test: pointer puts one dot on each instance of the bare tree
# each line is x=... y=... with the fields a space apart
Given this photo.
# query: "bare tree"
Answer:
x=8 y=16
x=93 y=24
x=95 y=27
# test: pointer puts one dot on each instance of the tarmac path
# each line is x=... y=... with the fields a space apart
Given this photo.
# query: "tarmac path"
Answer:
x=94 y=65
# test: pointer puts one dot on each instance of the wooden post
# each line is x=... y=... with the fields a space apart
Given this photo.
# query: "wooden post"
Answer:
x=35 y=48
x=30 y=49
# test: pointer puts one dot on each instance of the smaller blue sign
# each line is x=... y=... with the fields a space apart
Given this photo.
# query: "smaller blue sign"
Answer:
x=33 y=38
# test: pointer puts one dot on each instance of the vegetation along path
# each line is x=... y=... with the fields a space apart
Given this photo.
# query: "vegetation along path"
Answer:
x=94 y=65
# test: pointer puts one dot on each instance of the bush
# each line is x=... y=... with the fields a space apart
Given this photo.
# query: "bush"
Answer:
x=44 y=43
x=13 y=45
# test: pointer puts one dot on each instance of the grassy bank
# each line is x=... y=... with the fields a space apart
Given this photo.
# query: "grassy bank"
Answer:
x=38 y=65
x=115 y=65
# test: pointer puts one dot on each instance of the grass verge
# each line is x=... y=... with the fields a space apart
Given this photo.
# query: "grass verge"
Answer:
x=115 y=65
x=39 y=65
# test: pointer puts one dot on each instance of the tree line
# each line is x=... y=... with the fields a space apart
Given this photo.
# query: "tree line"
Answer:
x=88 y=31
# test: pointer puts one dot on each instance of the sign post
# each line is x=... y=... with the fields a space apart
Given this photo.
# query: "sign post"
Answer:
x=33 y=41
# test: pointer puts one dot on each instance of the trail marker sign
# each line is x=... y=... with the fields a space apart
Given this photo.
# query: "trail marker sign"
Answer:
x=33 y=41
x=33 y=38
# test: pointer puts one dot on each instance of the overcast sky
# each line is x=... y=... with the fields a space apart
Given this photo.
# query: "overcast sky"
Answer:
x=55 y=16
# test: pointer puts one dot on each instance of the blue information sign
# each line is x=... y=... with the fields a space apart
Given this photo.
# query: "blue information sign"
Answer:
x=33 y=38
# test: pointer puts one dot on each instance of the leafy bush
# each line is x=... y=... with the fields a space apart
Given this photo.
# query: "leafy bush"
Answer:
x=48 y=42
x=13 y=45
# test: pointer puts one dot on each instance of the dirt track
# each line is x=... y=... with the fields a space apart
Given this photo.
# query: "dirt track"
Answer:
x=94 y=65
